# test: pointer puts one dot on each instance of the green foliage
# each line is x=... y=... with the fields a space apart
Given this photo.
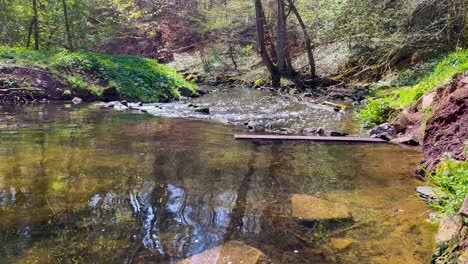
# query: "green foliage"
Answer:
x=377 y=111
x=134 y=77
x=451 y=177
x=77 y=82
x=402 y=97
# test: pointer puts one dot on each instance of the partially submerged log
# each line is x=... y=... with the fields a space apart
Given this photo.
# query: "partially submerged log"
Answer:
x=310 y=138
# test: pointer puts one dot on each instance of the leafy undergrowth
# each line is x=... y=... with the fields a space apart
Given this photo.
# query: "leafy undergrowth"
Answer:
x=389 y=102
x=451 y=176
x=134 y=77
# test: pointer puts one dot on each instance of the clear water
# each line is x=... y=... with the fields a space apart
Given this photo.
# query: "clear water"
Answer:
x=79 y=184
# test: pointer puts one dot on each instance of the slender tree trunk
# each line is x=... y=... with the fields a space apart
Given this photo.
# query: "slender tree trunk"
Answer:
x=231 y=54
x=28 y=40
x=281 y=38
x=67 y=25
x=260 y=23
x=36 y=24
x=308 y=44
x=464 y=14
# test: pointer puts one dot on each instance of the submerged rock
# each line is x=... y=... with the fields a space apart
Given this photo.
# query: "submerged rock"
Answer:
x=309 y=208
x=232 y=252
x=340 y=243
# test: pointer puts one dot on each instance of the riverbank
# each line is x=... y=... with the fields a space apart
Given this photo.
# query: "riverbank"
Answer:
x=27 y=75
x=433 y=113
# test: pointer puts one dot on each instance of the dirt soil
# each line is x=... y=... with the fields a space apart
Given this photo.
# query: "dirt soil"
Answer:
x=446 y=131
x=26 y=84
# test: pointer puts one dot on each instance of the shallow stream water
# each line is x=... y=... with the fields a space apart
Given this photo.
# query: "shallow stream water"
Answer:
x=80 y=184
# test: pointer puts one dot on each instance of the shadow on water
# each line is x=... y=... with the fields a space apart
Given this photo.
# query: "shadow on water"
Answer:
x=86 y=185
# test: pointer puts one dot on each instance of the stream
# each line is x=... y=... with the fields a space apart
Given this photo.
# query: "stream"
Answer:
x=83 y=184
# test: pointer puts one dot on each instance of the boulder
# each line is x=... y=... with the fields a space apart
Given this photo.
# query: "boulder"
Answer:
x=251 y=125
x=232 y=252
x=384 y=131
x=401 y=122
x=309 y=208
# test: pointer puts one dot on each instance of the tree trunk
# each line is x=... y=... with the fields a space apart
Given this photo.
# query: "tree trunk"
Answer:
x=67 y=25
x=260 y=23
x=28 y=40
x=281 y=38
x=308 y=44
x=36 y=24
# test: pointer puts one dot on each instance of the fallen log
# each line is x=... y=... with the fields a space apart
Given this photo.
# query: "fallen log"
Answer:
x=310 y=138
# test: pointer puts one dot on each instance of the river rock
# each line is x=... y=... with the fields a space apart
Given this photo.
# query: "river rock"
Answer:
x=401 y=122
x=448 y=229
x=186 y=92
x=427 y=100
x=430 y=194
x=203 y=110
x=309 y=208
x=309 y=131
x=335 y=134
x=116 y=105
x=464 y=209
x=251 y=125
x=409 y=140
x=233 y=252
x=340 y=243
x=77 y=100
x=384 y=131
x=320 y=131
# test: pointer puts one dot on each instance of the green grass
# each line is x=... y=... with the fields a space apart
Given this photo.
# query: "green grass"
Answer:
x=380 y=109
x=134 y=77
x=451 y=176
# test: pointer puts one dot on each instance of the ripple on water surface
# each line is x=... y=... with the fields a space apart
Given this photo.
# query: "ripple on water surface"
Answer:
x=98 y=186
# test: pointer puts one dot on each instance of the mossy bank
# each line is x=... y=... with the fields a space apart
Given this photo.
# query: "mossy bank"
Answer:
x=27 y=75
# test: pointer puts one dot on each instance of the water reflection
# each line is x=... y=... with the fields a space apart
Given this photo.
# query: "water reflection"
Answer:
x=95 y=186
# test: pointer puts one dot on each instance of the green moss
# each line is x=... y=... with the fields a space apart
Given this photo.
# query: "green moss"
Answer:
x=402 y=97
x=134 y=77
